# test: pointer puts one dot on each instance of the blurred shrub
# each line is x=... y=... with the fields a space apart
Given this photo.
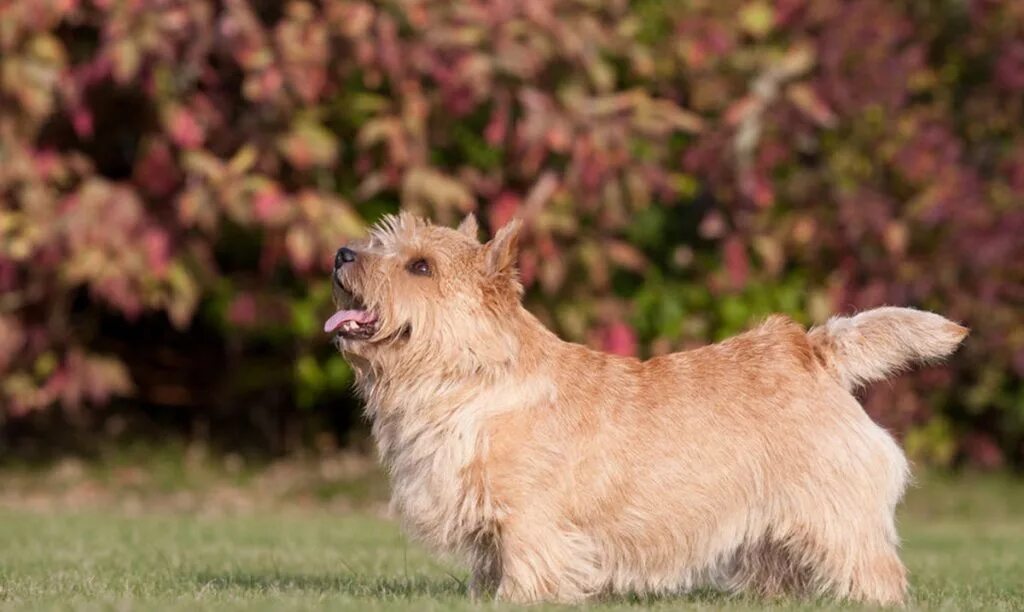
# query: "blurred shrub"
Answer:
x=684 y=168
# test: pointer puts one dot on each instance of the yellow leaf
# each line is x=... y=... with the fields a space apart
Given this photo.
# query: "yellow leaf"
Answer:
x=425 y=185
x=243 y=160
x=757 y=18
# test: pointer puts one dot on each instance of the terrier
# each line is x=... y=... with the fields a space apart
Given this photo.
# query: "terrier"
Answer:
x=560 y=473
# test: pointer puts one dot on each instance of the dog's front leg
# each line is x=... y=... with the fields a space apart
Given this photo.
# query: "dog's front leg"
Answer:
x=485 y=564
x=545 y=566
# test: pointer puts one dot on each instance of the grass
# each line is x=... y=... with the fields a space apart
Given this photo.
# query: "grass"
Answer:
x=964 y=544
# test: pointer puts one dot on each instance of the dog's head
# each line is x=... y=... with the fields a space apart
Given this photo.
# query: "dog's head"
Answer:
x=414 y=291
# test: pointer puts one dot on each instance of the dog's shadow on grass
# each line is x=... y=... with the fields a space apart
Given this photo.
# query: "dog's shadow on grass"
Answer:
x=342 y=583
x=397 y=587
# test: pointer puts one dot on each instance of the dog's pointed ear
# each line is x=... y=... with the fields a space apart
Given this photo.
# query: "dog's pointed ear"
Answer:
x=469 y=226
x=501 y=252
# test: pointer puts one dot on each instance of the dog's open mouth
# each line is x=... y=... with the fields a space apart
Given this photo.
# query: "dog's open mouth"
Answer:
x=355 y=324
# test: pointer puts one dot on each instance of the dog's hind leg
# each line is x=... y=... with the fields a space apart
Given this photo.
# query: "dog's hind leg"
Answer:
x=851 y=557
x=824 y=563
x=879 y=578
x=867 y=571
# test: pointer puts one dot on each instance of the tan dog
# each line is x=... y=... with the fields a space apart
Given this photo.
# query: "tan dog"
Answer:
x=560 y=473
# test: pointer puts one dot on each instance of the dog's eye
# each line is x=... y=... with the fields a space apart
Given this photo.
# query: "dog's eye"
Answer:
x=419 y=267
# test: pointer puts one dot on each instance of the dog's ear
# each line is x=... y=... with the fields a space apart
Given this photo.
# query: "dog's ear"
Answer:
x=469 y=226
x=500 y=253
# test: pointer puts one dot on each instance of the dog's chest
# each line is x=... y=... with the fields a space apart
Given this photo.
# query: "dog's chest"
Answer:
x=438 y=488
x=436 y=445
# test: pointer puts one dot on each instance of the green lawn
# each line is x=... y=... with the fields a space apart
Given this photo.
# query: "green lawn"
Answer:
x=964 y=544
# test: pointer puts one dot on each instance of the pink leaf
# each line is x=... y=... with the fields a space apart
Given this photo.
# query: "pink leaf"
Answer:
x=269 y=204
x=737 y=264
x=156 y=245
x=504 y=208
x=185 y=131
x=497 y=127
x=242 y=311
x=156 y=172
x=619 y=338
x=81 y=121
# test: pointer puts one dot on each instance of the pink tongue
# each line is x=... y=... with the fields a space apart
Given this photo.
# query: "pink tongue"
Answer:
x=342 y=316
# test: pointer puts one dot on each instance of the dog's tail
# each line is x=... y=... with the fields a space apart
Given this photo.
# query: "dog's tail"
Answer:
x=874 y=344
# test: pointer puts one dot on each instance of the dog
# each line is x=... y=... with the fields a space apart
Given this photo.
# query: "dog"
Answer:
x=560 y=473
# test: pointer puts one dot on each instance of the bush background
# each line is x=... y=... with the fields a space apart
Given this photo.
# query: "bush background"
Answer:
x=175 y=177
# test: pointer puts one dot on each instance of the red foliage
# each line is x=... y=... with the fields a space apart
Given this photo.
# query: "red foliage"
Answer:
x=871 y=150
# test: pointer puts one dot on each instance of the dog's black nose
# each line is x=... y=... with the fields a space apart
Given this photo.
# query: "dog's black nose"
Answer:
x=343 y=256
